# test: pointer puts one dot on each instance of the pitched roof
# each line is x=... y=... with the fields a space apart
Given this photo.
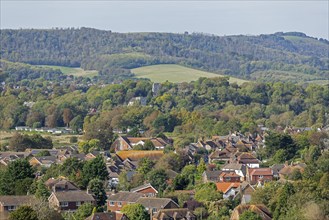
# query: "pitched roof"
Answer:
x=260 y=171
x=74 y=195
x=125 y=196
x=233 y=166
x=226 y=186
x=15 y=200
x=138 y=188
x=261 y=210
x=46 y=159
x=107 y=216
x=158 y=203
x=229 y=174
x=287 y=170
x=213 y=174
x=180 y=213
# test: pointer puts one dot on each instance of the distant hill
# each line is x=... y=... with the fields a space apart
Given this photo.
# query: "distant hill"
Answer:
x=175 y=73
x=114 y=54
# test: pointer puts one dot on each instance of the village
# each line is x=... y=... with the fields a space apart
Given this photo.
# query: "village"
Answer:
x=228 y=162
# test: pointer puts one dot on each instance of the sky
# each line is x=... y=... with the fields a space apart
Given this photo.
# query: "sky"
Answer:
x=177 y=16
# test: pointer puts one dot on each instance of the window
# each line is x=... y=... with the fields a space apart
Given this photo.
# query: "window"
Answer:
x=119 y=204
x=260 y=176
x=63 y=204
x=111 y=203
x=11 y=208
x=78 y=203
x=154 y=210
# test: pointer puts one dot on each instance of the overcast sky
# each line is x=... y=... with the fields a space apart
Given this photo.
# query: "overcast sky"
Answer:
x=214 y=17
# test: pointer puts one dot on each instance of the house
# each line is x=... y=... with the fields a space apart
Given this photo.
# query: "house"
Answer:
x=107 y=216
x=8 y=156
x=287 y=170
x=147 y=190
x=115 y=202
x=10 y=203
x=245 y=191
x=228 y=189
x=128 y=143
x=174 y=214
x=45 y=161
x=229 y=176
x=276 y=168
x=245 y=158
x=256 y=175
x=220 y=156
x=153 y=205
x=59 y=184
x=211 y=176
x=239 y=169
x=261 y=210
x=69 y=200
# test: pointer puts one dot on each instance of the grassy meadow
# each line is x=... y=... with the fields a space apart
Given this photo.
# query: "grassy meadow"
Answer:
x=175 y=73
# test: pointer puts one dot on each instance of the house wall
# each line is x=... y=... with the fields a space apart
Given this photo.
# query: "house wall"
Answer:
x=255 y=178
x=116 y=206
x=231 y=179
x=1 y=208
x=149 y=192
x=231 y=192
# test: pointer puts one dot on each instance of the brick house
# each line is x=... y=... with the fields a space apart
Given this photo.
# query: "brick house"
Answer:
x=115 y=202
x=259 y=174
x=261 y=210
x=69 y=200
x=229 y=177
x=147 y=190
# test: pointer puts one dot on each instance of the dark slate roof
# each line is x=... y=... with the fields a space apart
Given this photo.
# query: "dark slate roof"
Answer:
x=125 y=196
x=213 y=174
x=72 y=196
x=150 y=202
x=15 y=200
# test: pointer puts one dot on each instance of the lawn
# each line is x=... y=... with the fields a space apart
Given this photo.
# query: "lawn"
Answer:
x=73 y=71
x=175 y=73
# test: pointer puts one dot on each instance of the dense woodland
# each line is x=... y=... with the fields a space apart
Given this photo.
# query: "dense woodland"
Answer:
x=113 y=54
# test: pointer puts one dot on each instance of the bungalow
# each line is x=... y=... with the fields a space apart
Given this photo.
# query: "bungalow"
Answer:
x=69 y=200
x=228 y=189
x=8 y=156
x=128 y=143
x=147 y=190
x=45 y=161
x=57 y=185
x=174 y=214
x=116 y=201
x=259 y=174
x=153 y=205
x=10 y=203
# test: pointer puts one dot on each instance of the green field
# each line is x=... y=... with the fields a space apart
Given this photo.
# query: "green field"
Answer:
x=73 y=71
x=175 y=73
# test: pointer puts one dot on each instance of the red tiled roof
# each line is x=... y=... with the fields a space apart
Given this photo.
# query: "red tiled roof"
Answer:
x=261 y=171
x=224 y=187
